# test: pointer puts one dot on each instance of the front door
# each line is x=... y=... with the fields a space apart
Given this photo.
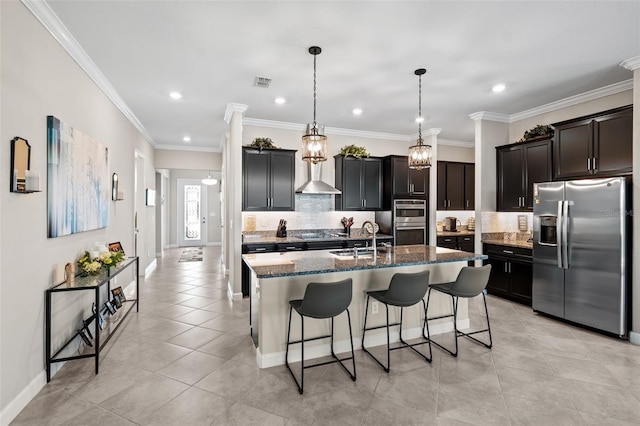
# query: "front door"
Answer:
x=192 y=213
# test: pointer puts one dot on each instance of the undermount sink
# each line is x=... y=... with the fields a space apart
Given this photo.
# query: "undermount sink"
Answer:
x=351 y=253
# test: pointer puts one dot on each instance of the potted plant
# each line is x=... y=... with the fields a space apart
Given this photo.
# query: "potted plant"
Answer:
x=262 y=143
x=540 y=131
x=354 y=151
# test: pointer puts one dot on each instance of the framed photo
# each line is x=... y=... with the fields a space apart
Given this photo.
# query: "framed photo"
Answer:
x=116 y=302
x=110 y=308
x=84 y=337
x=98 y=315
x=116 y=247
x=118 y=294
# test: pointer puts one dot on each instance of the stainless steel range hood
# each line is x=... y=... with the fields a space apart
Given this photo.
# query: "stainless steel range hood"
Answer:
x=315 y=185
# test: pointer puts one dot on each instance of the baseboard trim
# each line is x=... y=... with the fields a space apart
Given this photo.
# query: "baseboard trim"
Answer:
x=150 y=267
x=170 y=246
x=342 y=346
x=634 y=337
x=17 y=404
x=234 y=297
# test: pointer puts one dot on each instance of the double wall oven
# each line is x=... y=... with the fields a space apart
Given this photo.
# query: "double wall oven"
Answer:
x=409 y=221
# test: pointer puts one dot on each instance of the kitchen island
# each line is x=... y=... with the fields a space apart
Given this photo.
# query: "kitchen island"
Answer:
x=277 y=278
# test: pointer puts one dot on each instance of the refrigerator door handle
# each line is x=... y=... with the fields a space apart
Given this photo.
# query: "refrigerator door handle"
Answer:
x=565 y=231
x=559 y=234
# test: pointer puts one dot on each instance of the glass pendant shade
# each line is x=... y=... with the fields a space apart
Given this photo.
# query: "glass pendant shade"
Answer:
x=419 y=156
x=314 y=148
x=209 y=180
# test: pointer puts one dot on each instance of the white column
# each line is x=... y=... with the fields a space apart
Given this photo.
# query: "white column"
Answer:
x=233 y=117
x=492 y=130
x=634 y=335
x=431 y=138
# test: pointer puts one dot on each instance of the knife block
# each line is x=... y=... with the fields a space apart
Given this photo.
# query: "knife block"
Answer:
x=282 y=231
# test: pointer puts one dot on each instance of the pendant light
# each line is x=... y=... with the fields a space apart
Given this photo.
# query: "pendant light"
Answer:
x=314 y=144
x=420 y=154
x=209 y=180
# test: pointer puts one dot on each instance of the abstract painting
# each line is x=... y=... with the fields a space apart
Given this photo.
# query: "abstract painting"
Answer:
x=78 y=181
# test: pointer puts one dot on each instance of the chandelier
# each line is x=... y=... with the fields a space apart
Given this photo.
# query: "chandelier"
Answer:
x=420 y=154
x=314 y=144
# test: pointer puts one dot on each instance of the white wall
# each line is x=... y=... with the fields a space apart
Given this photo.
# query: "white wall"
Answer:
x=455 y=153
x=38 y=78
x=188 y=160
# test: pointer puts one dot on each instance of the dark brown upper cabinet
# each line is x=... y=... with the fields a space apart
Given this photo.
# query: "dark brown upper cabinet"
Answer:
x=596 y=145
x=268 y=177
x=360 y=181
x=519 y=166
x=401 y=181
x=456 y=186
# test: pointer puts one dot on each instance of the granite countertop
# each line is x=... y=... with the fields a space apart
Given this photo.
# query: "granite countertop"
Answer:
x=510 y=243
x=463 y=233
x=271 y=265
x=299 y=236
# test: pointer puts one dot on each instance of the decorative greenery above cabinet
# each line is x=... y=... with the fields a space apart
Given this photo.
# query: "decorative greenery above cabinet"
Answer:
x=268 y=177
x=360 y=180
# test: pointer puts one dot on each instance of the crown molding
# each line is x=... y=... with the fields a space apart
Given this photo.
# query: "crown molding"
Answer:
x=491 y=116
x=231 y=108
x=188 y=148
x=631 y=63
x=327 y=130
x=274 y=124
x=461 y=144
x=51 y=22
x=611 y=89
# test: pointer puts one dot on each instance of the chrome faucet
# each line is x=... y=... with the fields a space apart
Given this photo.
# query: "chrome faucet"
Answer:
x=373 y=226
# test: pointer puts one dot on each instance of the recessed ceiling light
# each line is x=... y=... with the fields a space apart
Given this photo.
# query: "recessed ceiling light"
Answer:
x=187 y=139
x=357 y=111
x=280 y=101
x=175 y=95
x=419 y=119
x=498 y=88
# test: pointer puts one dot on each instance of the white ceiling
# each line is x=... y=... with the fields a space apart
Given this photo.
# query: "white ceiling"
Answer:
x=211 y=52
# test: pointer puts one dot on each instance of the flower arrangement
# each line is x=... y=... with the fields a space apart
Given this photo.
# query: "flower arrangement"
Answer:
x=92 y=265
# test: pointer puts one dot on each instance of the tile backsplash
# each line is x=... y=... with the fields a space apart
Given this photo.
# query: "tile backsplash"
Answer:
x=504 y=221
x=313 y=211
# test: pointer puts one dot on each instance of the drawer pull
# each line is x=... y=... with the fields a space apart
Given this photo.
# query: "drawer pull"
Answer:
x=260 y=249
x=507 y=251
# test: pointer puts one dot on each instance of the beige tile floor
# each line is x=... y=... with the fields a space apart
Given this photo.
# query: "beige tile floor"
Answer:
x=187 y=359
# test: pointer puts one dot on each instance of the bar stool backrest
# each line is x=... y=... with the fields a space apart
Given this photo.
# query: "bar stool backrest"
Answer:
x=471 y=281
x=326 y=300
x=407 y=289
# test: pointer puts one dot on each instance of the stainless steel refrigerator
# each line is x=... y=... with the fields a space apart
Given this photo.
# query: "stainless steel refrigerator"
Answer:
x=581 y=252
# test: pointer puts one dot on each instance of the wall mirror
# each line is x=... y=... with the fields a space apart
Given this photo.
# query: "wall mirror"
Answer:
x=20 y=163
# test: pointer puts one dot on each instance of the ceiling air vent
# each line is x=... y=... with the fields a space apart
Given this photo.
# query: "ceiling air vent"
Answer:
x=263 y=82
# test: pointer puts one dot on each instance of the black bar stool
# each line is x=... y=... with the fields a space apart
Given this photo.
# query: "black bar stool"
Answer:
x=470 y=283
x=404 y=290
x=321 y=301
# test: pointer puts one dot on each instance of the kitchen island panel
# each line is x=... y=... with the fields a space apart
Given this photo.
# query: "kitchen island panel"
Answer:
x=271 y=290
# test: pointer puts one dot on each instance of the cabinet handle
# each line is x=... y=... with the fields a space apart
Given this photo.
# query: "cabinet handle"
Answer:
x=448 y=203
x=467 y=203
x=507 y=251
x=261 y=249
x=410 y=187
x=509 y=267
x=444 y=204
x=505 y=267
x=588 y=163
x=448 y=240
x=593 y=163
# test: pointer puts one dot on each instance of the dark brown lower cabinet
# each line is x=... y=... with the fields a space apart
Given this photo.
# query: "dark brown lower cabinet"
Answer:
x=511 y=272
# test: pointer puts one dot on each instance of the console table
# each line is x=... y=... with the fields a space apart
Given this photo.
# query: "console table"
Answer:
x=95 y=283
